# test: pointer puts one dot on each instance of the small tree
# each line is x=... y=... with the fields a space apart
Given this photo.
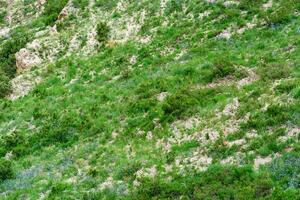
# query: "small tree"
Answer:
x=102 y=32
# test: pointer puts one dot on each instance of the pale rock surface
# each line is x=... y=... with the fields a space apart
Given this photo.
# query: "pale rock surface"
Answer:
x=261 y=161
x=4 y=32
x=25 y=60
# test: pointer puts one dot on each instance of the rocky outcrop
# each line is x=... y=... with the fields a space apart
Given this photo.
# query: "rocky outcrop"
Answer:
x=68 y=9
x=4 y=32
x=25 y=60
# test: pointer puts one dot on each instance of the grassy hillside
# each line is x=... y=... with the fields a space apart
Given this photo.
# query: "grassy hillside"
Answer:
x=175 y=99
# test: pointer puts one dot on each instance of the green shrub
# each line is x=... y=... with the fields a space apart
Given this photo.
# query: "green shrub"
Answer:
x=273 y=71
x=173 y=5
x=4 y=84
x=289 y=86
x=185 y=102
x=282 y=13
x=108 y=5
x=102 y=32
x=274 y=116
x=286 y=170
x=82 y=4
x=28 y=2
x=6 y=170
x=252 y=6
x=128 y=171
x=52 y=10
x=223 y=67
x=2 y=16
x=18 y=39
x=218 y=182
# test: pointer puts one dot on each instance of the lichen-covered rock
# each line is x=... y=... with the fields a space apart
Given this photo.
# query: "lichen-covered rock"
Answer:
x=4 y=32
x=25 y=60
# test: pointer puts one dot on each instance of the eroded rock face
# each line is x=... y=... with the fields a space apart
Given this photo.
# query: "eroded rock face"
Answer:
x=68 y=9
x=25 y=60
x=4 y=32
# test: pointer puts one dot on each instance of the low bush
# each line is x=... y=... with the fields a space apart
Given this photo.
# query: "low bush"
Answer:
x=218 y=182
x=223 y=67
x=4 y=84
x=173 y=5
x=6 y=170
x=18 y=39
x=274 y=116
x=52 y=10
x=2 y=16
x=108 y=5
x=286 y=170
x=282 y=13
x=82 y=4
x=185 y=102
x=102 y=32
x=273 y=71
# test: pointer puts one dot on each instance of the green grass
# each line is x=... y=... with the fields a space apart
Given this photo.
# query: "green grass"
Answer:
x=97 y=125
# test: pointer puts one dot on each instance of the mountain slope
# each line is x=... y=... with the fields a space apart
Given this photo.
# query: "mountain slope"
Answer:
x=177 y=99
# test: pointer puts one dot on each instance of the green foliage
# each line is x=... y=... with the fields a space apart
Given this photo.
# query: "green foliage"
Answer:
x=100 y=120
x=108 y=5
x=173 y=5
x=2 y=16
x=288 y=87
x=19 y=37
x=273 y=71
x=52 y=10
x=4 y=84
x=222 y=67
x=6 y=170
x=15 y=143
x=286 y=170
x=82 y=4
x=128 y=171
x=218 y=182
x=282 y=13
x=185 y=102
x=274 y=116
x=102 y=32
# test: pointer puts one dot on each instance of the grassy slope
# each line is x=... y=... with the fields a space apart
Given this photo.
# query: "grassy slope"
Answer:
x=95 y=129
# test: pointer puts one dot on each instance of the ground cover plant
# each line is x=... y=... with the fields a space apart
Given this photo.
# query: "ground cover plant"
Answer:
x=175 y=99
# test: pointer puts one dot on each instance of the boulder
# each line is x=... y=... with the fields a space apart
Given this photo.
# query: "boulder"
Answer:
x=25 y=60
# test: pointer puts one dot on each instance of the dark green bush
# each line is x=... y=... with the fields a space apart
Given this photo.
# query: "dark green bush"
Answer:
x=82 y=4
x=173 y=5
x=252 y=6
x=28 y=2
x=4 y=84
x=52 y=10
x=18 y=39
x=180 y=102
x=102 y=32
x=108 y=5
x=274 y=116
x=185 y=102
x=223 y=67
x=218 y=182
x=273 y=71
x=6 y=170
x=288 y=86
x=282 y=13
x=2 y=16
x=286 y=170
x=128 y=171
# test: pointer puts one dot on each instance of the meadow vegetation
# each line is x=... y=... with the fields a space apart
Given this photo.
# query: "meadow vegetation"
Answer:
x=191 y=100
